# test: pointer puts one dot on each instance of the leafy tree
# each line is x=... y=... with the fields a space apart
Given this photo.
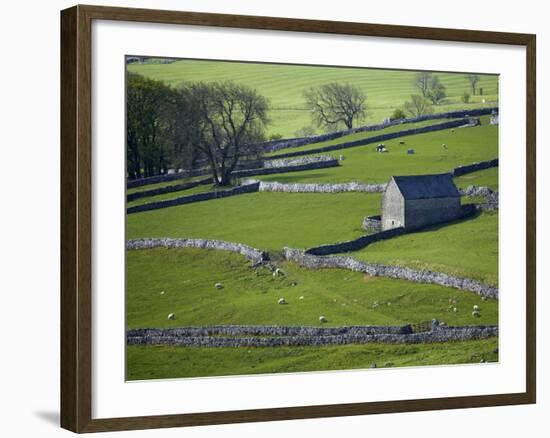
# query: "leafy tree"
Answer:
x=418 y=106
x=147 y=102
x=398 y=114
x=473 y=79
x=466 y=97
x=231 y=119
x=436 y=91
x=334 y=104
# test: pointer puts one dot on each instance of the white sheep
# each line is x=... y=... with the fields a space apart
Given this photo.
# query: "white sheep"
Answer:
x=162 y=292
x=281 y=301
x=171 y=316
x=301 y=298
x=218 y=286
x=476 y=307
x=322 y=319
x=476 y=314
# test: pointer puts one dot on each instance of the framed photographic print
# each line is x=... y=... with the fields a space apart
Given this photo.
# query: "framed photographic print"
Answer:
x=270 y=218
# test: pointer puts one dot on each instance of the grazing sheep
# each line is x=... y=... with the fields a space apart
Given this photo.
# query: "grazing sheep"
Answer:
x=322 y=319
x=278 y=272
x=476 y=307
x=162 y=292
x=444 y=146
x=171 y=316
x=218 y=286
x=455 y=309
x=476 y=314
x=301 y=298
x=341 y=158
x=281 y=301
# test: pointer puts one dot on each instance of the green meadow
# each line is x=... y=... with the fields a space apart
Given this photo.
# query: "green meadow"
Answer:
x=181 y=281
x=164 y=362
x=268 y=221
x=283 y=85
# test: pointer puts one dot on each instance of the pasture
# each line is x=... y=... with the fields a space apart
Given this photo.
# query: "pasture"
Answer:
x=283 y=85
x=182 y=281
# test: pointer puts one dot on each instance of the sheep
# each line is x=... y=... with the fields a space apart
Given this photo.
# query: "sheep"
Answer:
x=444 y=146
x=322 y=319
x=162 y=292
x=278 y=272
x=341 y=158
x=171 y=316
x=401 y=142
x=281 y=301
x=301 y=297
x=218 y=286
x=476 y=307
x=476 y=314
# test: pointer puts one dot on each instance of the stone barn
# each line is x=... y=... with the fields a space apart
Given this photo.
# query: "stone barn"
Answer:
x=417 y=201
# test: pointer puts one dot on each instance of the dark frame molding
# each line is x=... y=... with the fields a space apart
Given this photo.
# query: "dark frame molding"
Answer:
x=76 y=222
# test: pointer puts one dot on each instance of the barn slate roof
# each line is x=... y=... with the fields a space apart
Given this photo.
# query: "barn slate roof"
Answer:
x=427 y=186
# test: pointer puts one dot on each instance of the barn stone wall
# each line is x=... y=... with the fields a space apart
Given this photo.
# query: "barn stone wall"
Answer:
x=420 y=213
x=393 y=207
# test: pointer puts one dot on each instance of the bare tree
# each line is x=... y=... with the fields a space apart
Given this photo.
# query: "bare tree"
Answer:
x=232 y=119
x=473 y=79
x=334 y=104
x=422 y=82
x=418 y=106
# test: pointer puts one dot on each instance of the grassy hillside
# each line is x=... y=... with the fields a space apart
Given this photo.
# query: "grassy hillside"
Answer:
x=467 y=248
x=162 y=362
x=284 y=84
x=250 y=295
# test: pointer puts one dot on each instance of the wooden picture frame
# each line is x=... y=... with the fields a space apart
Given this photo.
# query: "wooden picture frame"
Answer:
x=76 y=218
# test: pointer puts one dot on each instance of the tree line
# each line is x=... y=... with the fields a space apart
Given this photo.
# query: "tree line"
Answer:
x=196 y=123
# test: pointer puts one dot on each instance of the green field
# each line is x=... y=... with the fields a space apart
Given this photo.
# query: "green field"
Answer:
x=250 y=295
x=268 y=221
x=467 y=248
x=364 y=164
x=162 y=362
x=164 y=281
x=283 y=85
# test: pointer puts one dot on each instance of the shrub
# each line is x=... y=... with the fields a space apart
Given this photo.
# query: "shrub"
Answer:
x=466 y=97
x=398 y=114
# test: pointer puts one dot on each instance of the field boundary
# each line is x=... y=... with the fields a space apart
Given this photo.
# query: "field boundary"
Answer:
x=276 y=145
x=379 y=334
x=375 y=139
x=311 y=261
x=254 y=255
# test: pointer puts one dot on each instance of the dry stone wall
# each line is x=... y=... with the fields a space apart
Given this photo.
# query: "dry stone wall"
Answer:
x=249 y=188
x=345 y=262
x=266 y=186
x=194 y=337
x=374 y=139
x=277 y=145
x=469 y=168
x=254 y=255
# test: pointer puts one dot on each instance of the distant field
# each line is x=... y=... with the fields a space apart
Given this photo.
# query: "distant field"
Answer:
x=467 y=248
x=162 y=362
x=284 y=85
x=363 y=163
x=250 y=295
x=267 y=221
